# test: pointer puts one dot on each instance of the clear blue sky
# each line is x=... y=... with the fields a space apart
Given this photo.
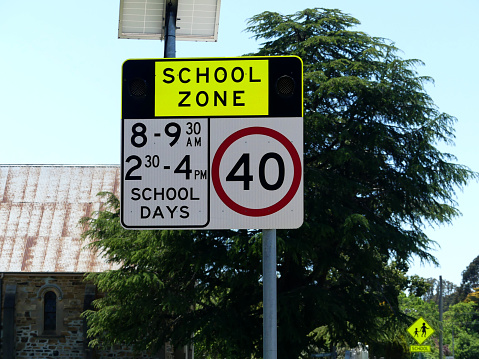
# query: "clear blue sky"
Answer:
x=60 y=82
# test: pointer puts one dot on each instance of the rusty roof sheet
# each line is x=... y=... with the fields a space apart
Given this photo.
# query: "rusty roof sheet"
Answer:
x=40 y=207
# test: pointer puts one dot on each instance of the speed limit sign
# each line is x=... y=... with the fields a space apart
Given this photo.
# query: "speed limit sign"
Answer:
x=257 y=172
x=212 y=143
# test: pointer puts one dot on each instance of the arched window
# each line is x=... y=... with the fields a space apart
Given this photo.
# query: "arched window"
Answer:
x=50 y=312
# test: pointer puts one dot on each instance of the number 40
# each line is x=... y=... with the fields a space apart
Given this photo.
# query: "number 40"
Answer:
x=246 y=177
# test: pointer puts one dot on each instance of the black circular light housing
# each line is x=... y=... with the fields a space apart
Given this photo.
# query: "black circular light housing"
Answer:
x=285 y=86
x=137 y=87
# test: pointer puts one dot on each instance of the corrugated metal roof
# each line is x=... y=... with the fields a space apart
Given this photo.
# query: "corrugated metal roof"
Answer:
x=40 y=207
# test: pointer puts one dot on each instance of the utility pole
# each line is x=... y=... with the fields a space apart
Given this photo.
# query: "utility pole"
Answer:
x=441 y=346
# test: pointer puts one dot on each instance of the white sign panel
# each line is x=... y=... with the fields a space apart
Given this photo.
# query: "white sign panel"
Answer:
x=165 y=173
x=212 y=173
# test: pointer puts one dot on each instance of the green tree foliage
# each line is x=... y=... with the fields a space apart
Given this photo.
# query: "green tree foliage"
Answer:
x=473 y=297
x=470 y=280
x=172 y=285
x=419 y=286
x=373 y=178
x=461 y=330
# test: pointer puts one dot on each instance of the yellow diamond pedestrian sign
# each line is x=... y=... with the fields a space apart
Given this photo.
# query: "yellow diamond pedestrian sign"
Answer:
x=420 y=330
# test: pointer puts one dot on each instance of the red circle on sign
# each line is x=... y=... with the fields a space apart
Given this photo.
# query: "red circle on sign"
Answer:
x=256 y=212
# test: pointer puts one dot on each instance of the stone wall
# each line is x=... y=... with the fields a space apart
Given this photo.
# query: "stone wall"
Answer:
x=30 y=341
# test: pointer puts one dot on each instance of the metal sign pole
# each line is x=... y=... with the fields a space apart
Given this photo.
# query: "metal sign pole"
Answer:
x=269 y=295
x=170 y=31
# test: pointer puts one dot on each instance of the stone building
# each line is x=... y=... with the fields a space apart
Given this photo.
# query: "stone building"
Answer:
x=43 y=261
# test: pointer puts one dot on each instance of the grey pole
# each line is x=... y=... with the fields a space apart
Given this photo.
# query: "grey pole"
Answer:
x=170 y=31
x=269 y=295
x=441 y=346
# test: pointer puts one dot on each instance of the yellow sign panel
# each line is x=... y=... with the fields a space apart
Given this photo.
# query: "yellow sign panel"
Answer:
x=420 y=348
x=420 y=330
x=211 y=88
